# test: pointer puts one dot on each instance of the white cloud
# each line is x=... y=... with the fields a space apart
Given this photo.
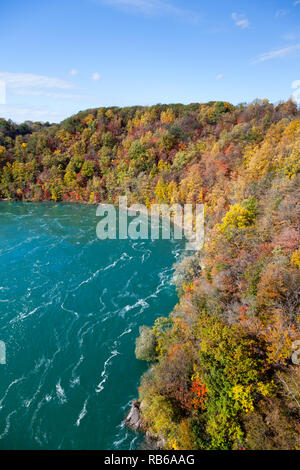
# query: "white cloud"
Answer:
x=220 y=76
x=145 y=6
x=240 y=20
x=290 y=36
x=73 y=72
x=29 y=80
x=27 y=84
x=277 y=53
x=281 y=13
x=96 y=76
x=296 y=83
x=2 y=92
x=153 y=7
x=21 y=114
x=48 y=94
x=297 y=2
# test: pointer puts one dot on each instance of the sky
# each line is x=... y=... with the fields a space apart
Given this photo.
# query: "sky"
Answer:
x=61 y=56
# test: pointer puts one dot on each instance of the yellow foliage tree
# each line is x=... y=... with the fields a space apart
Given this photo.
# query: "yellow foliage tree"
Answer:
x=167 y=117
x=295 y=258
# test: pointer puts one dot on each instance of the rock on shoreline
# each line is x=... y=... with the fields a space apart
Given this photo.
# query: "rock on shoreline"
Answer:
x=134 y=421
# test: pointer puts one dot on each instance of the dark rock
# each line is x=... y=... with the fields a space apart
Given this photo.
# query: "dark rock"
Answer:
x=134 y=421
x=152 y=442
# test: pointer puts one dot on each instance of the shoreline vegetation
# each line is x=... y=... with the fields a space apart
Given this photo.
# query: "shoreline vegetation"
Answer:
x=221 y=374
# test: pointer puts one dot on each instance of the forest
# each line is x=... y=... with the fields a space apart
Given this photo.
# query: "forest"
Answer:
x=221 y=374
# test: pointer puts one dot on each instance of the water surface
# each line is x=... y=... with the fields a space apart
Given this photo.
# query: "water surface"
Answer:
x=70 y=309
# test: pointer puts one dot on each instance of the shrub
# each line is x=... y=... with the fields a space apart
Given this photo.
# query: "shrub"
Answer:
x=145 y=346
x=186 y=271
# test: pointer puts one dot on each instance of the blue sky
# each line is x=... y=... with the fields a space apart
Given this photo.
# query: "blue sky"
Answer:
x=61 y=56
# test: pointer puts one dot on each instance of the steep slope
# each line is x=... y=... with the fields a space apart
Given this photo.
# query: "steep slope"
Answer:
x=222 y=375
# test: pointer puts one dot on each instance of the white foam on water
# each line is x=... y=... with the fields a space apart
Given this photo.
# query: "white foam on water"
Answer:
x=38 y=365
x=75 y=380
x=131 y=447
x=100 y=386
x=12 y=248
x=122 y=258
x=35 y=434
x=61 y=395
x=91 y=327
x=125 y=332
x=86 y=281
x=82 y=413
x=140 y=303
x=9 y=387
x=23 y=316
x=7 y=424
x=68 y=310
x=116 y=444
x=103 y=306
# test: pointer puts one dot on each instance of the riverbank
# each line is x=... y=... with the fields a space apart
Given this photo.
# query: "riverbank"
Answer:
x=134 y=421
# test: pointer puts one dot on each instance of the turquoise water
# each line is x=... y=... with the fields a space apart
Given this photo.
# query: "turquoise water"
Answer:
x=70 y=309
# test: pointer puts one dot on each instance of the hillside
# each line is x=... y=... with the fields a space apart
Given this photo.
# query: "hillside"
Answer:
x=222 y=375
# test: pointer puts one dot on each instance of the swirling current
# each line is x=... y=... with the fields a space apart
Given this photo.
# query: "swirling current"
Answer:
x=70 y=310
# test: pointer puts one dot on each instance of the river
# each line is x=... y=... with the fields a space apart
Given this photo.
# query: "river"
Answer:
x=70 y=309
